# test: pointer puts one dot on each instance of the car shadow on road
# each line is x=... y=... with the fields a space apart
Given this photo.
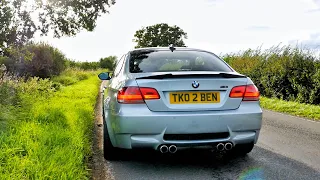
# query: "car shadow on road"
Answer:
x=199 y=164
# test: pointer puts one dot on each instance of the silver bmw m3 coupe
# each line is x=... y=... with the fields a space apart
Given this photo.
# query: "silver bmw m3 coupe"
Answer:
x=168 y=99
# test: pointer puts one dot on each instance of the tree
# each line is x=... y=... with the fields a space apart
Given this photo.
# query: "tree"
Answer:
x=64 y=18
x=16 y=26
x=108 y=62
x=160 y=35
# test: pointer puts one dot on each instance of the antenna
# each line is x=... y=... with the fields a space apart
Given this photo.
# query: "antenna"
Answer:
x=172 y=48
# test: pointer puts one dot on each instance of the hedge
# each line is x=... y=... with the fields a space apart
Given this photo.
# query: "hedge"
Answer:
x=287 y=73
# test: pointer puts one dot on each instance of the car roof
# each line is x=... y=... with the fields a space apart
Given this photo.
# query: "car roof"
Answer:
x=167 y=49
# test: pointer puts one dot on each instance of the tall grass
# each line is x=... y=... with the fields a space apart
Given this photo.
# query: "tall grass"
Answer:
x=72 y=75
x=45 y=133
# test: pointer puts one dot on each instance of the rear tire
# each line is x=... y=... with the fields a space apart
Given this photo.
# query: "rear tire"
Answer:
x=242 y=149
x=109 y=151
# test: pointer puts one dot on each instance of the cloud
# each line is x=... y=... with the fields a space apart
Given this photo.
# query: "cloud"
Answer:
x=317 y=2
x=313 y=10
x=316 y=7
x=212 y=2
x=313 y=42
x=258 y=28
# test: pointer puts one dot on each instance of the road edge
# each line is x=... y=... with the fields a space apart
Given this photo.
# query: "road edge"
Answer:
x=101 y=169
x=290 y=115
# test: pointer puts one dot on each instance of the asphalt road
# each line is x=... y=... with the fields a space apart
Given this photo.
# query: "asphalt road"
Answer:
x=288 y=148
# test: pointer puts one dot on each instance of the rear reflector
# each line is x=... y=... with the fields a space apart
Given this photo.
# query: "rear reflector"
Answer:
x=136 y=95
x=248 y=93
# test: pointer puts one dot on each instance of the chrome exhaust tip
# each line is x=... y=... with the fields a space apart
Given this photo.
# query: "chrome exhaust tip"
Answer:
x=228 y=146
x=163 y=149
x=220 y=147
x=173 y=149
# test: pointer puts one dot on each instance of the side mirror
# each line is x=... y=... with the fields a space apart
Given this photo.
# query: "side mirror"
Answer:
x=104 y=76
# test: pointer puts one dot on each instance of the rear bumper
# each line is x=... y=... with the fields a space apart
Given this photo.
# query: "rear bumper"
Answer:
x=138 y=127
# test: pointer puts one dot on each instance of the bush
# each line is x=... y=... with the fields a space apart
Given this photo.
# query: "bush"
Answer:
x=85 y=65
x=3 y=59
x=15 y=90
x=45 y=61
x=35 y=59
x=8 y=88
x=282 y=72
x=17 y=95
x=8 y=94
x=104 y=63
x=315 y=92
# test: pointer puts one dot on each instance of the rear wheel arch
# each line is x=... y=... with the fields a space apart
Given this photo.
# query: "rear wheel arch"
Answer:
x=107 y=127
x=110 y=152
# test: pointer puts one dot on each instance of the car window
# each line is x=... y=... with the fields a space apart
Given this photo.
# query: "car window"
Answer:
x=119 y=66
x=162 y=61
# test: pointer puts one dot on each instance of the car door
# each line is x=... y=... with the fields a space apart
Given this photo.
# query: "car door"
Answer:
x=114 y=83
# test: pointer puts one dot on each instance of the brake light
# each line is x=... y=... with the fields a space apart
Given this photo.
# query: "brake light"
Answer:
x=136 y=95
x=149 y=93
x=237 y=92
x=130 y=95
x=252 y=93
x=248 y=93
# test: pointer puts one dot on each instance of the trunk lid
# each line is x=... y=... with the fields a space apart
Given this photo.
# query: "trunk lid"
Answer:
x=178 y=91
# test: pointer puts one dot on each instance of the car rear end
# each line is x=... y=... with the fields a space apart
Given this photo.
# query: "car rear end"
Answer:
x=185 y=98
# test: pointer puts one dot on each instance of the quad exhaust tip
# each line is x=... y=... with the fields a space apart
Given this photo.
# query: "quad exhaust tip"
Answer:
x=173 y=149
x=220 y=147
x=228 y=146
x=224 y=146
x=164 y=149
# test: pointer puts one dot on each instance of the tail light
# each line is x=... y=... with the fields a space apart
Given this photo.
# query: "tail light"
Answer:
x=136 y=95
x=252 y=93
x=248 y=92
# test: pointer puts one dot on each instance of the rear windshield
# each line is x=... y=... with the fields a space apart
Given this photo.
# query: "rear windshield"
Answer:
x=167 y=61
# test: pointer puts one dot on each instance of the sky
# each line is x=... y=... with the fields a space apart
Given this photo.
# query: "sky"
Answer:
x=220 y=26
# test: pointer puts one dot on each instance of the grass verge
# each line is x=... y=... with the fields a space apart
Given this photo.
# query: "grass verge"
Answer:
x=293 y=108
x=52 y=139
x=72 y=76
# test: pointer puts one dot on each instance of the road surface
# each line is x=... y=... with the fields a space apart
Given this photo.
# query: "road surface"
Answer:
x=288 y=148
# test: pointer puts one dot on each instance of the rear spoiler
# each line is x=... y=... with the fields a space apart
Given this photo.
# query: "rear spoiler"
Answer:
x=169 y=76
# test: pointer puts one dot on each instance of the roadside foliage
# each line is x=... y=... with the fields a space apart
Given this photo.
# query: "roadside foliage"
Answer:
x=45 y=128
x=286 y=73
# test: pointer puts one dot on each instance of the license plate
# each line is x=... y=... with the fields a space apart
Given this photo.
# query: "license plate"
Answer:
x=194 y=97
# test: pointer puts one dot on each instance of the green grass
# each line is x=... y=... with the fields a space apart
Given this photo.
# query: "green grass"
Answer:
x=293 y=108
x=71 y=76
x=51 y=140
